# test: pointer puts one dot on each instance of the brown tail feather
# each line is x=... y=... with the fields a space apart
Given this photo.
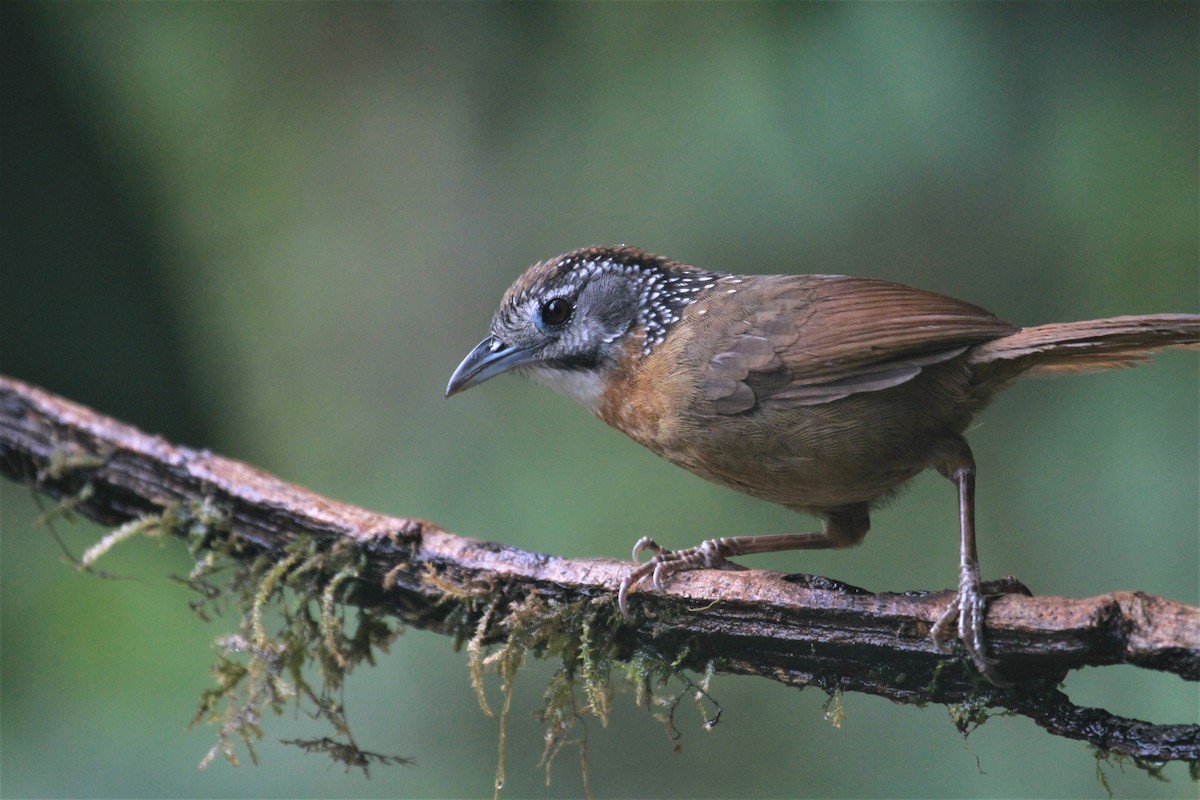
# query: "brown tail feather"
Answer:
x=1067 y=347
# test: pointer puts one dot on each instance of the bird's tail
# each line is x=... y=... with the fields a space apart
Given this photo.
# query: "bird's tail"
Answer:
x=1072 y=347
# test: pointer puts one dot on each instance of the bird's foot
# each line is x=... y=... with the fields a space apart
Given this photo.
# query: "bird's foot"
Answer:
x=968 y=608
x=665 y=563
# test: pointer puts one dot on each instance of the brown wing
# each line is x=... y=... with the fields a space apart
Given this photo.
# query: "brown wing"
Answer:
x=822 y=338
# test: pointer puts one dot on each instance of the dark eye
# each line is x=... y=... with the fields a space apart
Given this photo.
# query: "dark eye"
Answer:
x=556 y=312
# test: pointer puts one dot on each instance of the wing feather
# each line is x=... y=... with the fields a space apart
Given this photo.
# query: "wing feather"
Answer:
x=823 y=337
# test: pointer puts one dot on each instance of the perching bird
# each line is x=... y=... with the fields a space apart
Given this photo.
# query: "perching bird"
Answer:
x=823 y=393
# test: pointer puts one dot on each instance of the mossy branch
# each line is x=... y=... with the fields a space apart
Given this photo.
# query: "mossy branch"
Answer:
x=794 y=629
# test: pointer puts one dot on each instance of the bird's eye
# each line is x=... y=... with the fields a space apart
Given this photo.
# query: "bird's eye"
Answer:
x=555 y=312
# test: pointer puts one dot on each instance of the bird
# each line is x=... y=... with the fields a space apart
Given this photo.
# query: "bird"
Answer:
x=822 y=393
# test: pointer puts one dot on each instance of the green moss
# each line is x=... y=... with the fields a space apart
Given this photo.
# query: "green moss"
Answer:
x=581 y=636
x=969 y=715
x=292 y=618
x=546 y=628
x=67 y=458
x=1154 y=769
x=834 y=708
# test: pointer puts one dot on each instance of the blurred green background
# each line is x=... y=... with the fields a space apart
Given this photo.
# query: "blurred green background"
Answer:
x=273 y=231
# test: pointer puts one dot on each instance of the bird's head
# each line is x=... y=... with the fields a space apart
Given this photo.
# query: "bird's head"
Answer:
x=569 y=321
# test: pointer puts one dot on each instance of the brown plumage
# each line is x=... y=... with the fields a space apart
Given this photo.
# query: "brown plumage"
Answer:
x=822 y=393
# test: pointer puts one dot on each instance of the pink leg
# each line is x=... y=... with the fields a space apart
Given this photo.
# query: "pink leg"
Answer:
x=969 y=606
x=842 y=528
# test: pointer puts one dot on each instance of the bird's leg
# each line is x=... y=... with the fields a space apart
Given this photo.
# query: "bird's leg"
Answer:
x=843 y=528
x=969 y=606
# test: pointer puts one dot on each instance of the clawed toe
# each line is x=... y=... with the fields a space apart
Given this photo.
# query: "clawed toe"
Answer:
x=646 y=543
x=965 y=616
x=629 y=583
x=657 y=569
x=663 y=564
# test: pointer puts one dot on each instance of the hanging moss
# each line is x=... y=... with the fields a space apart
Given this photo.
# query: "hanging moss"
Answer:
x=291 y=617
x=581 y=637
x=260 y=668
x=1154 y=769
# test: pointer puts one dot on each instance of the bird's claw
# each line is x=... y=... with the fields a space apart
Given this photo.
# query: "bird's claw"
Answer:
x=646 y=543
x=663 y=564
x=968 y=609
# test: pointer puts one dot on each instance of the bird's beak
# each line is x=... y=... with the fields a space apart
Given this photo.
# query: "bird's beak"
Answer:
x=488 y=359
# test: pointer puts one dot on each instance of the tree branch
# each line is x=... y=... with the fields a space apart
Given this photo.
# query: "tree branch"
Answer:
x=798 y=630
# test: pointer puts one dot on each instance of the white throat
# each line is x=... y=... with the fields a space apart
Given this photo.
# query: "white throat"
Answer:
x=583 y=386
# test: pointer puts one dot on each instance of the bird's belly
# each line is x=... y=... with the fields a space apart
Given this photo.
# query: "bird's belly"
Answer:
x=803 y=477
x=857 y=449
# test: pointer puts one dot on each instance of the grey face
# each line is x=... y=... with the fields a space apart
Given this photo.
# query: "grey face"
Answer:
x=569 y=323
x=563 y=321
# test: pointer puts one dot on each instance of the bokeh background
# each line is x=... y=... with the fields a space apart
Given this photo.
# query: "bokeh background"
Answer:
x=273 y=230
